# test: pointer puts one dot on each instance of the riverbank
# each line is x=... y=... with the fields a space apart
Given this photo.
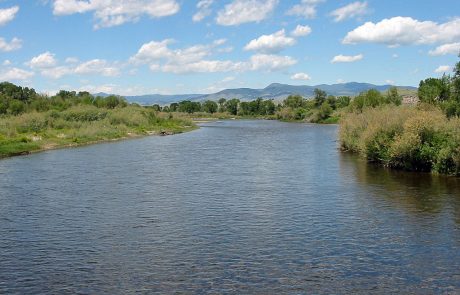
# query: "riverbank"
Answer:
x=413 y=138
x=82 y=125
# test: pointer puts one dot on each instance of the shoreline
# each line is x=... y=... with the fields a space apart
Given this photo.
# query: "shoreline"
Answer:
x=51 y=146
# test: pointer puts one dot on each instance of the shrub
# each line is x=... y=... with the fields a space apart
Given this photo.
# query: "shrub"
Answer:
x=417 y=139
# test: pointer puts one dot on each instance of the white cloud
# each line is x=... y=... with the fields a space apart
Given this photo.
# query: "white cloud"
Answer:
x=10 y=46
x=300 y=76
x=6 y=62
x=111 y=13
x=443 y=69
x=56 y=72
x=219 y=85
x=44 y=60
x=97 y=66
x=351 y=10
x=390 y=82
x=204 y=10
x=451 y=48
x=154 y=51
x=271 y=43
x=306 y=8
x=347 y=58
x=8 y=14
x=270 y=62
x=405 y=31
x=340 y=81
x=228 y=79
x=194 y=59
x=48 y=66
x=202 y=66
x=106 y=88
x=395 y=55
x=71 y=60
x=15 y=74
x=301 y=31
x=244 y=11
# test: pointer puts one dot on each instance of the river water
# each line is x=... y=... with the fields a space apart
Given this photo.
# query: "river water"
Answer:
x=236 y=207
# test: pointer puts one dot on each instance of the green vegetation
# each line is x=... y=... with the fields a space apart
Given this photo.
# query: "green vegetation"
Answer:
x=31 y=122
x=424 y=138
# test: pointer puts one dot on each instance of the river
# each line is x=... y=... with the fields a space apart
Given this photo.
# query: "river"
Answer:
x=236 y=207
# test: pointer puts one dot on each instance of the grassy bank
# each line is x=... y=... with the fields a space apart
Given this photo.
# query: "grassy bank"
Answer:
x=418 y=138
x=81 y=124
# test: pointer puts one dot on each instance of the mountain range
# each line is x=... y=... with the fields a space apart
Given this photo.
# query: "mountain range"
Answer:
x=275 y=91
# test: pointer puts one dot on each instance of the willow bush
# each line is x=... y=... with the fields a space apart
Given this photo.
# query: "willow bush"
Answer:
x=410 y=138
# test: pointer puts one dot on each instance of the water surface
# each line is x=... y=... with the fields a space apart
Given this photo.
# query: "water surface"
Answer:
x=237 y=207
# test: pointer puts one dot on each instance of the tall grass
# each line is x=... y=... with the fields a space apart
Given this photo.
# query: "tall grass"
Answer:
x=80 y=124
x=410 y=138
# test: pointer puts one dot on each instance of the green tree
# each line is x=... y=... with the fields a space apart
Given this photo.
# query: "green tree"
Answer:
x=174 y=107
x=456 y=82
x=210 y=106
x=269 y=107
x=370 y=98
x=222 y=104
x=343 y=101
x=232 y=106
x=187 y=106
x=393 y=96
x=294 y=101
x=16 y=107
x=332 y=101
x=320 y=96
x=325 y=111
x=433 y=90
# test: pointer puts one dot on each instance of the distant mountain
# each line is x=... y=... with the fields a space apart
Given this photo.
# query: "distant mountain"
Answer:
x=273 y=91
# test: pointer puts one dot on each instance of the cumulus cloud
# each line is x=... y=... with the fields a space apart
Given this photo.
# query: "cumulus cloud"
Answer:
x=97 y=66
x=13 y=74
x=271 y=43
x=300 y=31
x=6 y=46
x=451 y=48
x=270 y=62
x=111 y=13
x=245 y=11
x=48 y=66
x=390 y=82
x=202 y=66
x=443 y=69
x=8 y=14
x=352 y=10
x=405 y=31
x=347 y=58
x=43 y=61
x=196 y=59
x=204 y=10
x=301 y=76
x=56 y=72
x=306 y=8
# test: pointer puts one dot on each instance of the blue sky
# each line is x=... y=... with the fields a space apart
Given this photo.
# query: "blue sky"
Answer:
x=187 y=46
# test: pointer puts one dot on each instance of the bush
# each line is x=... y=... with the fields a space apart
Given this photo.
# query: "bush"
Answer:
x=84 y=114
x=416 y=139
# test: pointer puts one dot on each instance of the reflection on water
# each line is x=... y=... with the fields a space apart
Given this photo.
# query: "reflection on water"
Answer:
x=418 y=192
x=238 y=207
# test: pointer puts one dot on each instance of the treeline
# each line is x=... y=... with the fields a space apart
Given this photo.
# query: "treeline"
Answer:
x=15 y=100
x=257 y=107
x=319 y=109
